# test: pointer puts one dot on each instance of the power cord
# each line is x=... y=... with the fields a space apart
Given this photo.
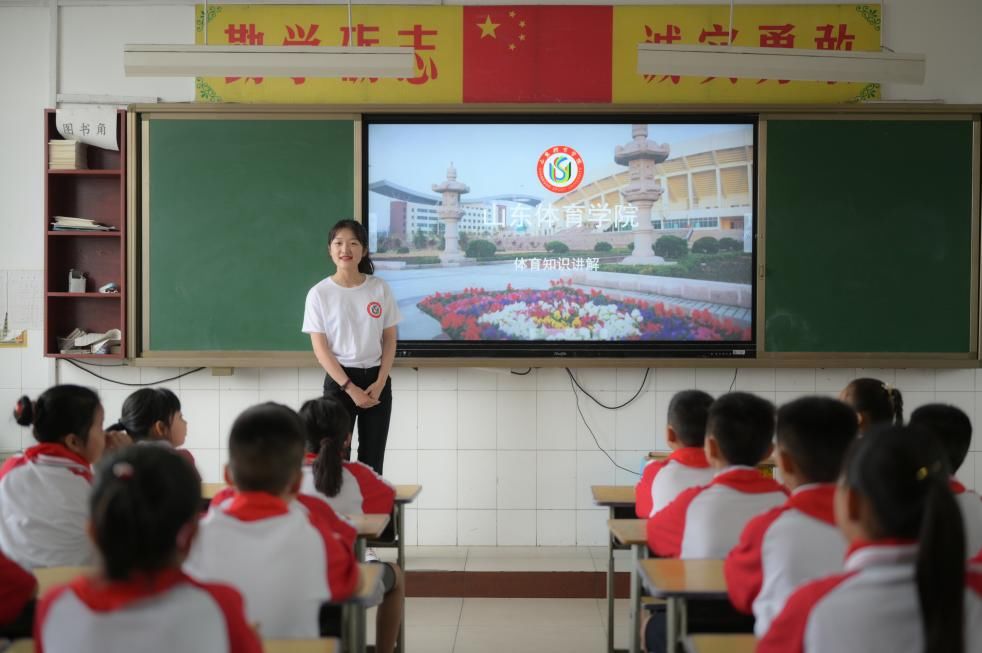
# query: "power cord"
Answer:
x=99 y=376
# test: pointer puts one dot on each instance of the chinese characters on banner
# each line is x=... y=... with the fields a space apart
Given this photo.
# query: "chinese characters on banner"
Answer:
x=536 y=264
x=535 y=53
x=432 y=32
x=811 y=27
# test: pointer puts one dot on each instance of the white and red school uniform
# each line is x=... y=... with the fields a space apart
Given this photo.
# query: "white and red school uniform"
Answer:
x=284 y=558
x=973 y=605
x=17 y=587
x=663 y=480
x=871 y=607
x=363 y=491
x=970 y=504
x=44 y=506
x=165 y=611
x=705 y=522
x=781 y=549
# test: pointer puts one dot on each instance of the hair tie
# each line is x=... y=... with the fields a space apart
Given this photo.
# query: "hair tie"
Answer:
x=123 y=471
x=924 y=472
x=19 y=409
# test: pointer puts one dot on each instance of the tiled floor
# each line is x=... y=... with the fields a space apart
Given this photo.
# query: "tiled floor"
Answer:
x=449 y=625
x=455 y=625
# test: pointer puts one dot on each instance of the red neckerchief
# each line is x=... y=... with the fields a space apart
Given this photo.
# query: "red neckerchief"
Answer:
x=309 y=458
x=690 y=457
x=746 y=479
x=815 y=500
x=104 y=595
x=44 y=452
x=956 y=486
x=254 y=506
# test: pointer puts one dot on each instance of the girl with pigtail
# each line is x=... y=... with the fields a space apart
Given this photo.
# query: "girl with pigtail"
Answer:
x=876 y=403
x=904 y=586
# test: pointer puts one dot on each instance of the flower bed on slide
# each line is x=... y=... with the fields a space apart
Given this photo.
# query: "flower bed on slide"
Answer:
x=566 y=313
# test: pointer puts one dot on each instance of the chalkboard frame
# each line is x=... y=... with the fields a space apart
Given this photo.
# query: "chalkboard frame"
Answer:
x=971 y=357
x=141 y=251
x=226 y=360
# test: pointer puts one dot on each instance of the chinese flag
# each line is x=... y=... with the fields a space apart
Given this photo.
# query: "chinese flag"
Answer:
x=534 y=53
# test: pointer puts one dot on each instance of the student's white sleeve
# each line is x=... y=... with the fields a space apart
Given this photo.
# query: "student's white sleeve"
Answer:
x=313 y=320
x=391 y=308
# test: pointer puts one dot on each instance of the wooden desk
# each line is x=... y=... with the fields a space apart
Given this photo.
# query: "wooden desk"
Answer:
x=48 y=577
x=209 y=490
x=405 y=494
x=678 y=580
x=721 y=643
x=614 y=497
x=766 y=467
x=301 y=646
x=633 y=533
x=21 y=646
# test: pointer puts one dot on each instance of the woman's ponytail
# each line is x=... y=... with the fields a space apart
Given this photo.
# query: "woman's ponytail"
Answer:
x=941 y=568
x=328 y=426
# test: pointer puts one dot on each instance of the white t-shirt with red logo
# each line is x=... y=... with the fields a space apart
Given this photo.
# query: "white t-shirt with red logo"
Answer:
x=352 y=319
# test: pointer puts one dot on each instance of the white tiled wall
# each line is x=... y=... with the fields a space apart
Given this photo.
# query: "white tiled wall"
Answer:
x=504 y=459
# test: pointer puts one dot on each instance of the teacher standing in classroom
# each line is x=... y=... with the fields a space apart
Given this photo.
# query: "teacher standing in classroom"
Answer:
x=351 y=317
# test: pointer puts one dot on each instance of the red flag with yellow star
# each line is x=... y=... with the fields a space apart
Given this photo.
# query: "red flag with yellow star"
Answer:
x=537 y=53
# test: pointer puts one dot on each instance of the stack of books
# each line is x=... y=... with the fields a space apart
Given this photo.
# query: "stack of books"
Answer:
x=66 y=223
x=66 y=155
x=80 y=342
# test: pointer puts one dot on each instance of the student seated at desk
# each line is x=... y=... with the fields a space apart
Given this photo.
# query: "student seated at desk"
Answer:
x=283 y=553
x=686 y=467
x=876 y=403
x=153 y=416
x=953 y=429
x=706 y=521
x=17 y=590
x=144 y=507
x=351 y=488
x=904 y=585
x=798 y=541
x=44 y=492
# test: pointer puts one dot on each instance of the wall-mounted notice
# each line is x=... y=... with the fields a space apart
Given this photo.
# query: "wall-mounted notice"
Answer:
x=95 y=125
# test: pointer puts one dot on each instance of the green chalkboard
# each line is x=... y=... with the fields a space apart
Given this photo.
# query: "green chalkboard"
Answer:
x=868 y=236
x=238 y=223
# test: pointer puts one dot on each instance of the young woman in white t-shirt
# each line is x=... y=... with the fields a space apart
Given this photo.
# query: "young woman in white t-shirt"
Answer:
x=351 y=317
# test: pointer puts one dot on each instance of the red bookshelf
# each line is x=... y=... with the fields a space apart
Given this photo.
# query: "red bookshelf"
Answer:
x=99 y=193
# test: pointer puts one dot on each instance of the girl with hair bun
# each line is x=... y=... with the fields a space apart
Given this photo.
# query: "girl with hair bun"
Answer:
x=144 y=507
x=904 y=586
x=43 y=492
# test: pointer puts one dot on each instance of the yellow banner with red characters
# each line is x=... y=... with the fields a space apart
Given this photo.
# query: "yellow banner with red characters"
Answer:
x=545 y=53
x=810 y=27
x=433 y=32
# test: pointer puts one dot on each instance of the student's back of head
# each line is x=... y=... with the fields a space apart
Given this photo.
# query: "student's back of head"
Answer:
x=815 y=432
x=950 y=425
x=70 y=415
x=877 y=403
x=742 y=425
x=900 y=475
x=327 y=423
x=687 y=414
x=265 y=449
x=143 y=508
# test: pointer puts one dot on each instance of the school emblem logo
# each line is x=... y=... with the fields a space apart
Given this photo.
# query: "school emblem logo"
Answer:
x=374 y=309
x=560 y=169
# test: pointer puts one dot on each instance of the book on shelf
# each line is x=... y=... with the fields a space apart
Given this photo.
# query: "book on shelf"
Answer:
x=68 y=223
x=66 y=155
x=81 y=342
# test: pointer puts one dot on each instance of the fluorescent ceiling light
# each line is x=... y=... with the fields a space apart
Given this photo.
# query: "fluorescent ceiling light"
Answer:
x=780 y=63
x=141 y=60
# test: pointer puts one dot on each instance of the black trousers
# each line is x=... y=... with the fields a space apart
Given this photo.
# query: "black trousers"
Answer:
x=705 y=616
x=373 y=423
